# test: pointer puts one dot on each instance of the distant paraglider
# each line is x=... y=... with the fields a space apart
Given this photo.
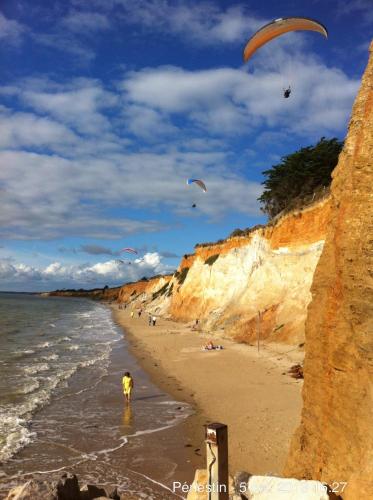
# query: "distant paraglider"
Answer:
x=200 y=183
x=129 y=250
x=277 y=28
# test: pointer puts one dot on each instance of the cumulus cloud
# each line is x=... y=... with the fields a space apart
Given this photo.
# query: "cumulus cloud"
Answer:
x=25 y=130
x=57 y=274
x=81 y=151
x=80 y=103
x=232 y=101
x=75 y=193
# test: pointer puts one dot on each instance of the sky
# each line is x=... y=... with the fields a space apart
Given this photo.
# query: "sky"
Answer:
x=107 y=107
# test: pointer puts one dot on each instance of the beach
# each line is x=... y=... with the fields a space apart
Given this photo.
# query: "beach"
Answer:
x=250 y=391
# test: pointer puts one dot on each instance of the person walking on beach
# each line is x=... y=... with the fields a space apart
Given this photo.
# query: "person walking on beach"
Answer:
x=132 y=313
x=127 y=383
x=150 y=320
x=154 y=320
x=139 y=313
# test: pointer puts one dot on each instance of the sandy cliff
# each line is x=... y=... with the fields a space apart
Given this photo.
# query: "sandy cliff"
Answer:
x=224 y=285
x=335 y=440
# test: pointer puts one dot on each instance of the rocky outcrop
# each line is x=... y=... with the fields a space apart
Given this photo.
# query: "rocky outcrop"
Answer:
x=334 y=442
x=65 y=488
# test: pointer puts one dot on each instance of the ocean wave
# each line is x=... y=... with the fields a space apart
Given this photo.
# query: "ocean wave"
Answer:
x=39 y=367
x=50 y=357
x=51 y=369
x=44 y=345
x=29 y=386
x=17 y=435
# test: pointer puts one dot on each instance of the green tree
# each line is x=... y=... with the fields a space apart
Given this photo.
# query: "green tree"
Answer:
x=299 y=175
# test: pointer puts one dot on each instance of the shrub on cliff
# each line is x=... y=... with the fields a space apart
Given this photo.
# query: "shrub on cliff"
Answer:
x=182 y=275
x=300 y=177
x=161 y=291
x=210 y=260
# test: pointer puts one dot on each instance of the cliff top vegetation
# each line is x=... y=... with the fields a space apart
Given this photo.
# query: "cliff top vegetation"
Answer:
x=301 y=177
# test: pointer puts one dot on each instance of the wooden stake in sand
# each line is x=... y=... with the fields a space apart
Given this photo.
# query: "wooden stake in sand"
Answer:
x=217 y=461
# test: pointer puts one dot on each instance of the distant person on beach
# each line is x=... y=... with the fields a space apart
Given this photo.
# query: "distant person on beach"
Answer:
x=150 y=320
x=127 y=383
x=139 y=313
x=211 y=347
x=154 y=320
x=132 y=313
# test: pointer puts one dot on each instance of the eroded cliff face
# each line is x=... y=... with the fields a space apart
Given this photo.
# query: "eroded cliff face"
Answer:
x=143 y=293
x=225 y=285
x=334 y=442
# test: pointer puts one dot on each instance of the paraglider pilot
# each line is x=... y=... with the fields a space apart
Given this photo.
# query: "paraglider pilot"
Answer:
x=287 y=92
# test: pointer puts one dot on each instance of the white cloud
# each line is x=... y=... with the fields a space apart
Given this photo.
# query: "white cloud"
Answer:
x=11 y=31
x=185 y=120
x=26 y=129
x=232 y=101
x=65 y=42
x=83 y=22
x=148 y=123
x=78 y=104
x=75 y=195
x=202 y=22
x=58 y=274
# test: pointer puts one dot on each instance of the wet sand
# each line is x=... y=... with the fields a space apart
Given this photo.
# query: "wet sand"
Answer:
x=249 y=391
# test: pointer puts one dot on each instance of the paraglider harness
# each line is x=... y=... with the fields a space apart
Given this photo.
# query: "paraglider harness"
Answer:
x=287 y=92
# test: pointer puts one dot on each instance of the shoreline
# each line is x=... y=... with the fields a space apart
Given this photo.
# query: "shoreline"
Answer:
x=253 y=394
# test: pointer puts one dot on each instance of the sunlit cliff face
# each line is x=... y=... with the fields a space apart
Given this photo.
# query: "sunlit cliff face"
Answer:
x=225 y=285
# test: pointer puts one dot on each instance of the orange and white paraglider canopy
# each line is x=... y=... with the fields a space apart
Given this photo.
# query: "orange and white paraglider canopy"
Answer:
x=277 y=28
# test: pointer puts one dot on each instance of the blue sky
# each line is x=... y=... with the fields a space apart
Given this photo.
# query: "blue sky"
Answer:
x=108 y=106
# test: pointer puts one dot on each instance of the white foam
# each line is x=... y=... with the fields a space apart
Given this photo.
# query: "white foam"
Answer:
x=30 y=386
x=17 y=435
x=50 y=357
x=44 y=345
x=39 y=367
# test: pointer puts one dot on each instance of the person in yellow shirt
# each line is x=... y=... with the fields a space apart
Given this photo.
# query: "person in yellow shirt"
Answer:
x=127 y=383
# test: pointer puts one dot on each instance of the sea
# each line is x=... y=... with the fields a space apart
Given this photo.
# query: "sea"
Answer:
x=62 y=407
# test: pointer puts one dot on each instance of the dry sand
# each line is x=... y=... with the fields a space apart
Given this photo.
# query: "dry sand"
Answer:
x=249 y=392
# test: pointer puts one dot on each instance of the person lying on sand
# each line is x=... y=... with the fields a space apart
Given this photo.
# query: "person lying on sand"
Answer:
x=127 y=383
x=210 y=346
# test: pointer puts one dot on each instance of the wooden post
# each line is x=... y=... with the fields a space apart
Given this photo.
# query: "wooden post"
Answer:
x=217 y=461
